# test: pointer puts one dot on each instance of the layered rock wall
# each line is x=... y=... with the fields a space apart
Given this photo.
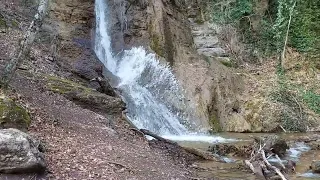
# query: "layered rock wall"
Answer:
x=164 y=27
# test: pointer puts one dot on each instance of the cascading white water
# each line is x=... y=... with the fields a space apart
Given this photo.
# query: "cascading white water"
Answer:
x=154 y=99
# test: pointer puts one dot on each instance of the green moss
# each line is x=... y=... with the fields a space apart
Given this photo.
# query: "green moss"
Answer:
x=155 y=41
x=15 y=23
x=83 y=96
x=3 y=22
x=13 y=116
x=215 y=124
x=63 y=86
x=169 y=48
x=227 y=63
x=254 y=113
x=312 y=100
x=207 y=59
x=156 y=45
x=199 y=21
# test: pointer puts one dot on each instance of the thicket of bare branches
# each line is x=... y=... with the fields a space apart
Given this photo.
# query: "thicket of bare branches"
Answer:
x=264 y=150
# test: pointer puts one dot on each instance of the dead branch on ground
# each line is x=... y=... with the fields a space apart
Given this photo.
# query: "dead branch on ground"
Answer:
x=259 y=163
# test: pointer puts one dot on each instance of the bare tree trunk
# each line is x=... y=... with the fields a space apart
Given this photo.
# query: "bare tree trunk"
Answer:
x=283 y=54
x=25 y=45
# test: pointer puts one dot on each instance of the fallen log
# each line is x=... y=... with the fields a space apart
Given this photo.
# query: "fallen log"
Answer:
x=197 y=152
x=256 y=169
x=280 y=162
x=249 y=164
x=202 y=154
x=149 y=133
x=272 y=167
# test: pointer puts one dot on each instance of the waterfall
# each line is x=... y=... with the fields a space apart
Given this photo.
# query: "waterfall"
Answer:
x=153 y=96
x=148 y=87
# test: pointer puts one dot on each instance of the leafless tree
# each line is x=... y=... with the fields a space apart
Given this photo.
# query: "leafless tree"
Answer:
x=25 y=44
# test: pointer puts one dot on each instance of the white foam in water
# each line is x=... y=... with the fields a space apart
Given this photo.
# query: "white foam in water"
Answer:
x=153 y=96
x=310 y=175
x=227 y=160
x=298 y=149
x=294 y=152
x=198 y=138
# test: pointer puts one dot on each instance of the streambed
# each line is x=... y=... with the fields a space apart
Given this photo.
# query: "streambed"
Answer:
x=231 y=167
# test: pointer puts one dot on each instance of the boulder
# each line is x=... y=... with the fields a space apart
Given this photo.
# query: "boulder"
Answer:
x=85 y=97
x=88 y=65
x=12 y=115
x=206 y=41
x=19 y=153
x=212 y=52
x=315 y=145
x=315 y=166
x=275 y=144
x=105 y=86
x=233 y=149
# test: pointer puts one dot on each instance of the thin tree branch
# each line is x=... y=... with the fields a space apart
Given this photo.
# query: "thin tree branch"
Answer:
x=25 y=45
x=272 y=167
x=282 y=58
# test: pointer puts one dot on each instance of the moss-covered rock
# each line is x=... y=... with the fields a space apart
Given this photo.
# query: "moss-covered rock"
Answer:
x=85 y=97
x=215 y=124
x=3 y=23
x=12 y=115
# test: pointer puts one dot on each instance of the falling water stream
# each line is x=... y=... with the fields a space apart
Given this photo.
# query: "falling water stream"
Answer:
x=153 y=96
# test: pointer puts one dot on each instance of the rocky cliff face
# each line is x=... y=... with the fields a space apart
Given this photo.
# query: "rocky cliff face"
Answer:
x=165 y=27
x=177 y=31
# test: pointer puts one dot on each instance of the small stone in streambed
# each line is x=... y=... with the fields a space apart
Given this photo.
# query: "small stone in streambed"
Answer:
x=275 y=178
x=275 y=144
x=315 y=166
x=315 y=145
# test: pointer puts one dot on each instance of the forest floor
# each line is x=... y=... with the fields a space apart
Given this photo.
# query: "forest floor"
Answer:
x=80 y=144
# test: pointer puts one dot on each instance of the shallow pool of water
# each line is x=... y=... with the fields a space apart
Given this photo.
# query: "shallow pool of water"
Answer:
x=231 y=168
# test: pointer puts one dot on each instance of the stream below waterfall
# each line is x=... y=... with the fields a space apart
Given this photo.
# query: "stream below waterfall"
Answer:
x=230 y=167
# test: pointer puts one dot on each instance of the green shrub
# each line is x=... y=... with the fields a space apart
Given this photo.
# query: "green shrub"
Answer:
x=304 y=31
x=312 y=100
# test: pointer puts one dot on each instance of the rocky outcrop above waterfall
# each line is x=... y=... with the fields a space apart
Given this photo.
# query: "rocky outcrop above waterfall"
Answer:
x=19 y=153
